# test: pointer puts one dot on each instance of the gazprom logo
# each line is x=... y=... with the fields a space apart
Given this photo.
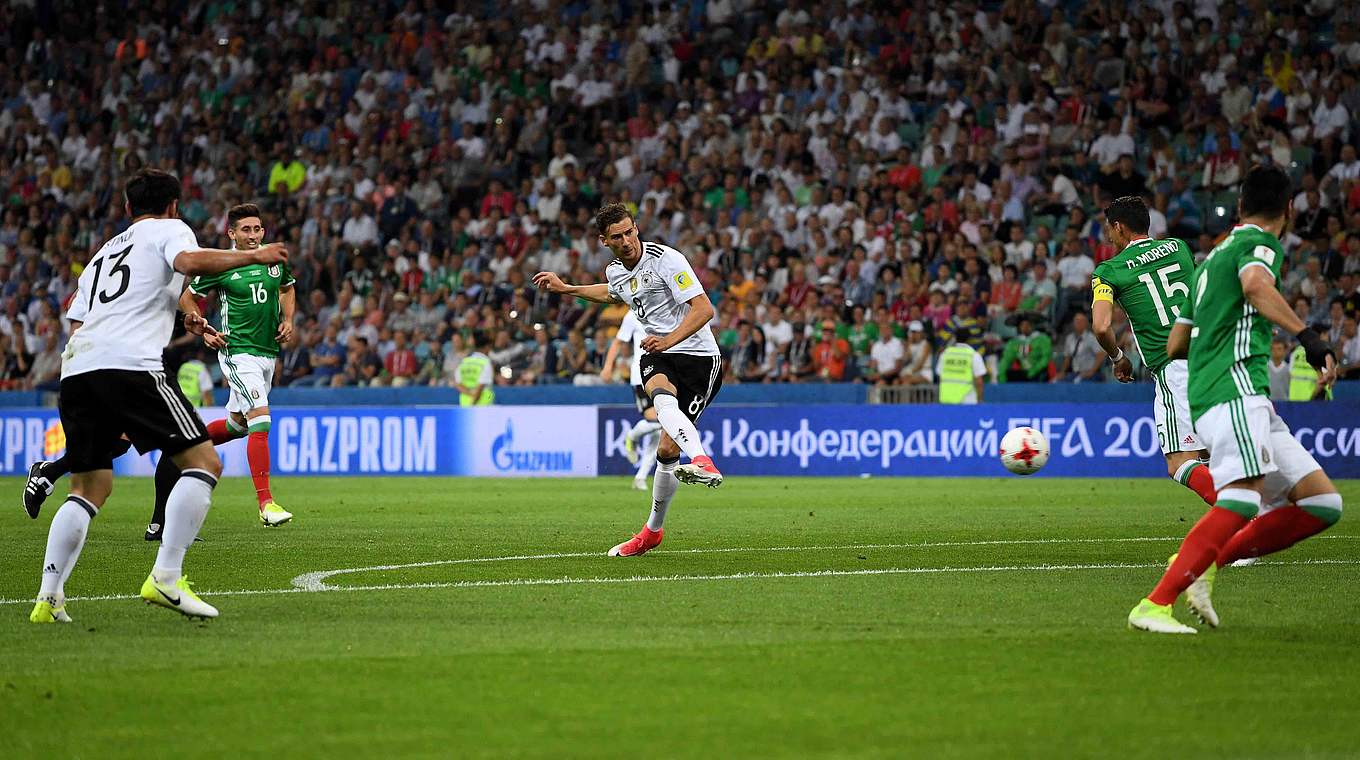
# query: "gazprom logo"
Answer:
x=507 y=459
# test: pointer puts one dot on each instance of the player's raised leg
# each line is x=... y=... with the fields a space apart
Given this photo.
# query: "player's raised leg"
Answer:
x=186 y=508
x=679 y=424
x=1311 y=505
x=43 y=477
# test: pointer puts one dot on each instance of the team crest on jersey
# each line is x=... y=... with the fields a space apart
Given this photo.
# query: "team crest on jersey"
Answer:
x=633 y=285
x=275 y=270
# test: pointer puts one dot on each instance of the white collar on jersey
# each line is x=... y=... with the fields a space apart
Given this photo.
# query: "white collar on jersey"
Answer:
x=1132 y=242
x=1246 y=226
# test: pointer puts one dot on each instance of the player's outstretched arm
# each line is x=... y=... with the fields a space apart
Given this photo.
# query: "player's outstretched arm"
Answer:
x=213 y=260
x=700 y=314
x=195 y=323
x=599 y=292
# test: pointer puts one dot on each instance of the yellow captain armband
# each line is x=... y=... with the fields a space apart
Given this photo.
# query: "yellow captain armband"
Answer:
x=1100 y=291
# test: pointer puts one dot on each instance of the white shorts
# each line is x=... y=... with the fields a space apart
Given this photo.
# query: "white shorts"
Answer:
x=1171 y=409
x=249 y=377
x=1246 y=438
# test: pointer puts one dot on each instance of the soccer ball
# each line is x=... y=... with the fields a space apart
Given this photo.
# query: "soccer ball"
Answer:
x=1024 y=451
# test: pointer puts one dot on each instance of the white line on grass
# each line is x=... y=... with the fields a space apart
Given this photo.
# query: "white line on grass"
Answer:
x=568 y=581
x=316 y=581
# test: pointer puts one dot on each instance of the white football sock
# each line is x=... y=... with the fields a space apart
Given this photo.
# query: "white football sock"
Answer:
x=65 y=539
x=643 y=427
x=663 y=490
x=185 y=511
x=678 y=426
x=648 y=459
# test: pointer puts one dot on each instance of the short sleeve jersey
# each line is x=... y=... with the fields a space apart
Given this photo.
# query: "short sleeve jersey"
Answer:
x=1230 y=340
x=251 y=311
x=127 y=298
x=1150 y=280
x=631 y=332
x=658 y=291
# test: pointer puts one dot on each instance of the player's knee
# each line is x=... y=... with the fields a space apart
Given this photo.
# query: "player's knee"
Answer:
x=201 y=457
x=667 y=450
x=213 y=465
x=664 y=400
x=1324 y=506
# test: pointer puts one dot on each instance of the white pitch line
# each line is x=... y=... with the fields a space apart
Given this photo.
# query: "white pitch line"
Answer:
x=316 y=581
x=568 y=581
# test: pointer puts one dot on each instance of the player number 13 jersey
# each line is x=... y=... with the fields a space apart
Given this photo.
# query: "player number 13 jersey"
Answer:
x=126 y=299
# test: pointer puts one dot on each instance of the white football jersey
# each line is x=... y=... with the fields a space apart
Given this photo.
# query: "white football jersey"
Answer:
x=631 y=332
x=657 y=290
x=127 y=298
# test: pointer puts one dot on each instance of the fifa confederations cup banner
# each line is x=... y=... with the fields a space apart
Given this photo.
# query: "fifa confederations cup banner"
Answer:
x=1087 y=440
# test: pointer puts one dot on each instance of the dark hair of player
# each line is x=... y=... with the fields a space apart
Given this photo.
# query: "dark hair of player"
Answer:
x=1265 y=192
x=1131 y=212
x=610 y=215
x=151 y=191
x=242 y=211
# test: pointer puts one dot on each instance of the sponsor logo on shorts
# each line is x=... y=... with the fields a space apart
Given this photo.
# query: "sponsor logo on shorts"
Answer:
x=1188 y=439
x=648 y=369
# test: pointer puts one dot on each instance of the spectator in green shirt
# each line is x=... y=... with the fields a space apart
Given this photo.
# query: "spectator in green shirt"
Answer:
x=1025 y=358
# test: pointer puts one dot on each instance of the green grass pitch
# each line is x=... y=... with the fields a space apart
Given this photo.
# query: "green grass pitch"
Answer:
x=781 y=618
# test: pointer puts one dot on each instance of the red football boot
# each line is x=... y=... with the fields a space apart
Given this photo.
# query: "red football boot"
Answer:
x=645 y=541
x=701 y=471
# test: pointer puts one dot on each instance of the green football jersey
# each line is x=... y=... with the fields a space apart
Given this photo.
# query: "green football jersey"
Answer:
x=1151 y=281
x=1230 y=341
x=251 y=311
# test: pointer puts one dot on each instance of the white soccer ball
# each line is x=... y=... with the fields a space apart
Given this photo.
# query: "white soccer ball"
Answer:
x=1024 y=451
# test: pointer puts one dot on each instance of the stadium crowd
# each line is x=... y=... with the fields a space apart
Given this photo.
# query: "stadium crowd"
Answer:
x=855 y=183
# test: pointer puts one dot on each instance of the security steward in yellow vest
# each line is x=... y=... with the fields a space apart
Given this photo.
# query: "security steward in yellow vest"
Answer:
x=1303 y=379
x=960 y=382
